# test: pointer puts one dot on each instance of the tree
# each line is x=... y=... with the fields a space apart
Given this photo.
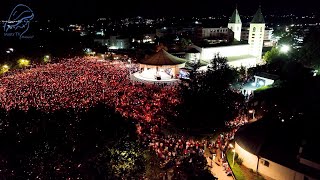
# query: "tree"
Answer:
x=185 y=43
x=310 y=54
x=207 y=101
x=270 y=55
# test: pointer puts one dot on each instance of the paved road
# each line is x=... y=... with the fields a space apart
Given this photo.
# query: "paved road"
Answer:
x=218 y=171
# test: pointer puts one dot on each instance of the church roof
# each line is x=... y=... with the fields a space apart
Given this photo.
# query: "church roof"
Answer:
x=235 y=18
x=161 y=58
x=258 y=17
x=192 y=50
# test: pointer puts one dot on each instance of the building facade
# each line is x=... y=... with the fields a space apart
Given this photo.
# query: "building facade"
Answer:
x=235 y=25
x=273 y=150
x=256 y=34
x=114 y=42
x=248 y=54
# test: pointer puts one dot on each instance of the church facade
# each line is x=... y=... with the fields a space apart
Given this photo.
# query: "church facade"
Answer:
x=240 y=54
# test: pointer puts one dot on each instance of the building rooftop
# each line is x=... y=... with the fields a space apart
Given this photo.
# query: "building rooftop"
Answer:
x=205 y=45
x=276 y=141
x=235 y=18
x=258 y=17
x=162 y=58
x=236 y=58
x=267 y=75
x=192 y=50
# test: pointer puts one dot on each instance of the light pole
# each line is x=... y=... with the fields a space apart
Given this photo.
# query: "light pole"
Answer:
x=252 y=112
x=129 y=60
x=234 y=155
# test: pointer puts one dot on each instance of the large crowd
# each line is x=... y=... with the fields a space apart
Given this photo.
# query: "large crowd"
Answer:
x=81 y=83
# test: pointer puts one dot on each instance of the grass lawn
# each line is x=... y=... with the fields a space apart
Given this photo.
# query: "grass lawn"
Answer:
x=236 y=167
x=240 y=171
x=263 y=88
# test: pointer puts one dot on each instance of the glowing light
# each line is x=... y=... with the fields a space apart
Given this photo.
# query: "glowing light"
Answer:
x=261 y=83
x=46 y=58
x=284 y=48
x=5 y=67
x=23 y=62
x=253 y=84
x=11 y=49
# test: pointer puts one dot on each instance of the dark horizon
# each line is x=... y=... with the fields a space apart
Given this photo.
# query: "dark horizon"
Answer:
x=85 y=10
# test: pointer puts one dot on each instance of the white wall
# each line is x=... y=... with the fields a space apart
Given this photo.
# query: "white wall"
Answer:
x=209 y=32
x=256 y=36
x=193 y=56
x=225 y=51
x=279 y=172
x=249 y=160
x=250 y=62
x=274 y=170
x=236 y=28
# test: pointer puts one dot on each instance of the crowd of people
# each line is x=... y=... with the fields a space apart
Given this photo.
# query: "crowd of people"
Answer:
x=81 y=83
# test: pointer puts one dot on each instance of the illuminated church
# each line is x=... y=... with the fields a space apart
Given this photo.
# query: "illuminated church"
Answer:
x=239 y=54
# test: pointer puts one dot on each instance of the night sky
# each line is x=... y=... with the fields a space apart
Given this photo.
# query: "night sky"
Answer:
x=89 y=9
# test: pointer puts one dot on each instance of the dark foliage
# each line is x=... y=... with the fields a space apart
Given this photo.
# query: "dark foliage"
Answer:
x=207 y=100
x=66 y=144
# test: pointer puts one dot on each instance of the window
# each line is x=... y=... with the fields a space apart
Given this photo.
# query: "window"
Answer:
x=231 y=28
x=264 y=162
x=261 y=29
x=254 y=29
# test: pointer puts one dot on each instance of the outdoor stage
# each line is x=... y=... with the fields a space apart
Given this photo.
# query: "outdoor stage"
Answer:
x=140 y=77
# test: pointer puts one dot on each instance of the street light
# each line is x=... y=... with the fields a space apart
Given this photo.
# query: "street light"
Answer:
x=46 y=58
x=252 y=112
x=284 y=48
x=5 y=67
x=234 y=155
x=129 y=60
x=23 y=62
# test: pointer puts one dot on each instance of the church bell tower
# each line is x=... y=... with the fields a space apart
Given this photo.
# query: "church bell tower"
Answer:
x=235 y=24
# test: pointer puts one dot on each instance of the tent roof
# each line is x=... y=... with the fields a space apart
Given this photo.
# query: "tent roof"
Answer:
x=161 y=58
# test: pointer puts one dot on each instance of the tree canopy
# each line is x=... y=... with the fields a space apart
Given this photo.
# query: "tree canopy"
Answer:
x=309 y=53
x=207 y=100
x=93 y=144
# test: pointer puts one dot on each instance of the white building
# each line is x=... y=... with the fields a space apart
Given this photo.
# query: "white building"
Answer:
x=114 y=42
x=267 y=39
x=235 y=25
x=264 y=79
x=246 y=55
x=213 y=33
x=256 y=34
x=276 y=151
